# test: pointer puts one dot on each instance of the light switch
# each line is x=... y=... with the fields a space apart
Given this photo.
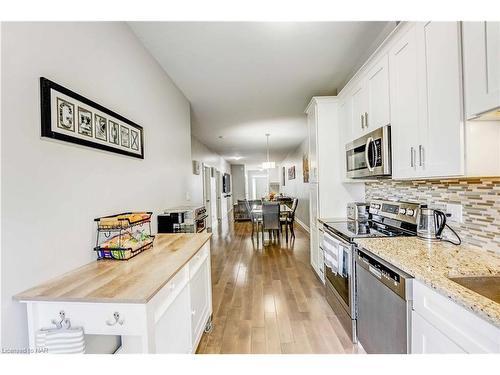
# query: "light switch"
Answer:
x=455 y=212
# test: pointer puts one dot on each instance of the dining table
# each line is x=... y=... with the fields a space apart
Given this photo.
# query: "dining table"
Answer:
x=285 y=211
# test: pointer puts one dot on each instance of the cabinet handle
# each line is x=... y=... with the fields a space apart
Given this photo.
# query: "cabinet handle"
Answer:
x=362 y=121
x=421 y=155
x=116 y=317
x=366 y=119
x=412 y=162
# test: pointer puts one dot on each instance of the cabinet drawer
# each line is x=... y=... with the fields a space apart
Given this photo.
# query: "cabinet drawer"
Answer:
x=471 y=333
x=95 y=318
x=198 y=259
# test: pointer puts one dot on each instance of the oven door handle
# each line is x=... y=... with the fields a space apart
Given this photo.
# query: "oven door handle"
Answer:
x=367 y=158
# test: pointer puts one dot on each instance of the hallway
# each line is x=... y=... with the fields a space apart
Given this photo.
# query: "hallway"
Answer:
x=268 y=300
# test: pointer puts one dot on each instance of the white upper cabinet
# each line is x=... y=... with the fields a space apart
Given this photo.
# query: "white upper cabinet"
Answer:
x=481 y=49
x=426 y=111
x=377 y=84
x=359 y=107
x=370 y=99
x=441 y=147
x=405 y=103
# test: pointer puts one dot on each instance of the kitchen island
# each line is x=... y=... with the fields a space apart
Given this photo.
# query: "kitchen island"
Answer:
x=158 y=302
x=468 y=321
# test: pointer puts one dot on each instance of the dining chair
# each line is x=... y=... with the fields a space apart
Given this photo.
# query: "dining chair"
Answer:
x=271 y=219
x=291 y=216
x=256 y=220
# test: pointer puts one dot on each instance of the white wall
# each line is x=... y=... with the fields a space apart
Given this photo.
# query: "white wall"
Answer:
x=297 y=188
x=51 y=191
x=204 y=155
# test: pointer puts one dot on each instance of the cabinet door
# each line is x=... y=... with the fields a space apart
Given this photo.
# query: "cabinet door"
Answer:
x=405 y=104
x=440 y=151
x=173 y=329
x=312 y=123
x=377 y=85
x=426 y=339
x=199 y=286
x=314 y=248
x=481 y=49
x=359 y=109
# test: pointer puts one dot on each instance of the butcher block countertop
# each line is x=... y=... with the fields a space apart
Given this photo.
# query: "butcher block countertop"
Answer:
x=433 y=262
x=135 y=280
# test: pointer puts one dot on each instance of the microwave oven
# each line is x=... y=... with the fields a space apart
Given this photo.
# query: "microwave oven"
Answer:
x=370 y=155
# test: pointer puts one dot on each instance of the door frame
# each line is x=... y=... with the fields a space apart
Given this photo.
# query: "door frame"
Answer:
x=207 y=192
x=218 y=192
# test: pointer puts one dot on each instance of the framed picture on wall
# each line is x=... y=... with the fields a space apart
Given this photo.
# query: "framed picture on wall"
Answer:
x=305 y=168
x=70 y=117
x=291 y=173
x=283 y=176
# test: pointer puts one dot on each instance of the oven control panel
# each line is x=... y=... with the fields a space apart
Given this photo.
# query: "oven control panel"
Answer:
x=403 y=211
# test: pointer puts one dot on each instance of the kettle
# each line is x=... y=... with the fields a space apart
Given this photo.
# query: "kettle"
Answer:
x=430 y=223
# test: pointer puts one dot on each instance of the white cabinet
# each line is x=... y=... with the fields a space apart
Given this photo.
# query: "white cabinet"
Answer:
x=481 y=49
x=174 y=327
x=370 y=99
x=439 y=325
x=200 y=300
x=426 y=113
x=405 y=103
x=426 y=339
x=359 y=103
x=377 y=86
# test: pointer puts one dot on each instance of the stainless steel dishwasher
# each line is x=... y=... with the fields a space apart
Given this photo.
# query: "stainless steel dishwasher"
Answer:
x=383 y=295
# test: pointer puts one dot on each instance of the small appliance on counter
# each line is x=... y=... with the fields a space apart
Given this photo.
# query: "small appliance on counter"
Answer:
x=431 y=224
x=123 y=236
x=358 y=211
x=183 y=219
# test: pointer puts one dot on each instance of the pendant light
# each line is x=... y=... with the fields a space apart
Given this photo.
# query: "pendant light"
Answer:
x=268 y=164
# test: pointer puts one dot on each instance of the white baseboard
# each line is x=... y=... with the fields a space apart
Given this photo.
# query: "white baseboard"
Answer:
x=306 y=228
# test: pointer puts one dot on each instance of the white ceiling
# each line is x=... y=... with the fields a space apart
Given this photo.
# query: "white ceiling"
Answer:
x=246 y=79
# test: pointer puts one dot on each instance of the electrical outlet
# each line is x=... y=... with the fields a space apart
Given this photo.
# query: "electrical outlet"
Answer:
x=455 y=212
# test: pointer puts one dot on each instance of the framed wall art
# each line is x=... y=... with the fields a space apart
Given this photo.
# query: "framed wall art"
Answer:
x=291 y=173
x=305 y=168
x=70 y=117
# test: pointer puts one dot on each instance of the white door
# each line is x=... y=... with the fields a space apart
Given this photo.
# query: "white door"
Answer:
x=481 y=48
x=359 y=100
x=426 y=339
x=218 y=194
x=377 y=85
x=261 y=187
x=213 y=201
x=173 y=329
x=440 y=151
x=406 y=104
x=207 y=194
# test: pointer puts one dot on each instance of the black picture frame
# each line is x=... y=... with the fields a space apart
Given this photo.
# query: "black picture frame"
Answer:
x=46 y=86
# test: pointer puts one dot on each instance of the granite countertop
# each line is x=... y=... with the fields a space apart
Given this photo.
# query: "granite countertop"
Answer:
x=136 y=280
x=432 y=262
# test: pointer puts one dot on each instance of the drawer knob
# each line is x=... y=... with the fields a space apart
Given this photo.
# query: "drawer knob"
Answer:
x=116 y=317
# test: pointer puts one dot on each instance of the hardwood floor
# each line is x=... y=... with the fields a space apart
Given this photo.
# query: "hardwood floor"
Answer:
x=268 y=300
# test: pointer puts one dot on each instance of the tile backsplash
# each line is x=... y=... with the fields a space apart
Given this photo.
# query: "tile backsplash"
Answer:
x=479 y=197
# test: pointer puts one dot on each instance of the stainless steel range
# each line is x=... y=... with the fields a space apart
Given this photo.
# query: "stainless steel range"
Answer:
x=386 y=219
